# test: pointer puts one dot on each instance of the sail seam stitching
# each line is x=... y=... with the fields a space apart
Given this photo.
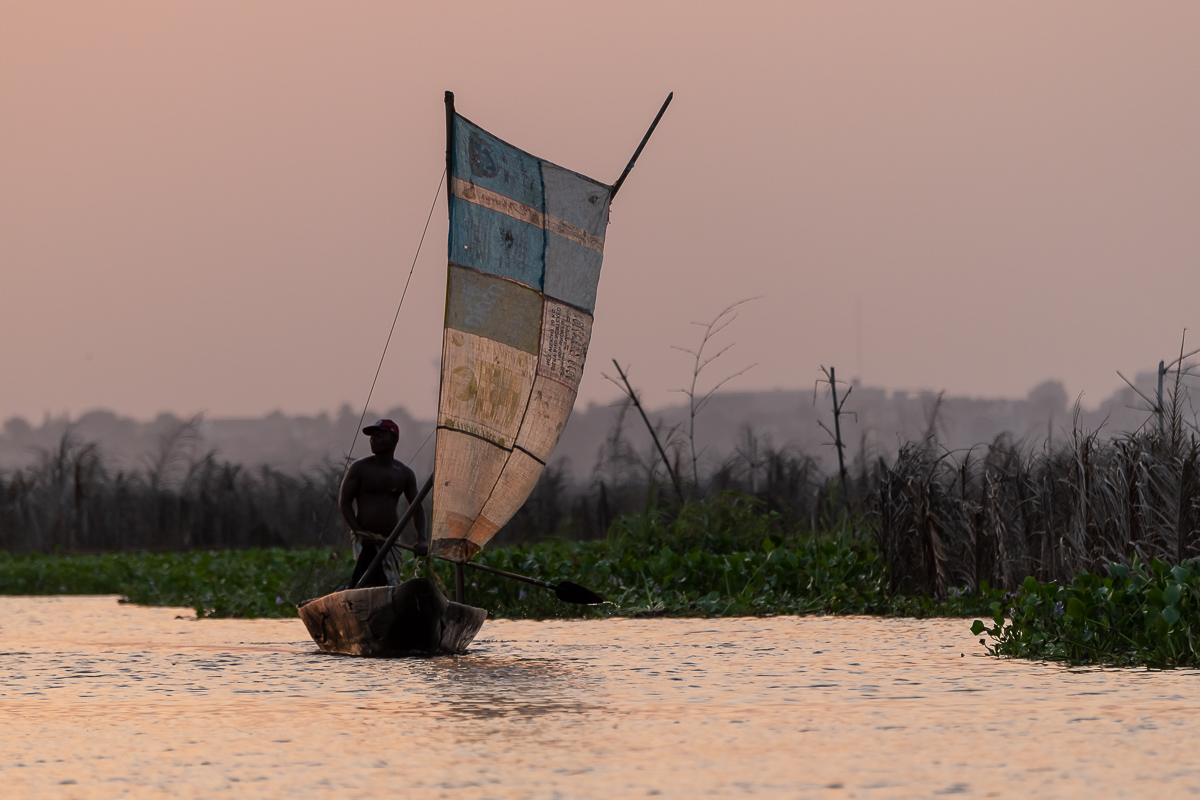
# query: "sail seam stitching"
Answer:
x=492 y=443
x=481 y=437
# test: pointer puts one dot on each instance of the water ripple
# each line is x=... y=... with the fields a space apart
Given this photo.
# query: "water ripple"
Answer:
x=105 y=700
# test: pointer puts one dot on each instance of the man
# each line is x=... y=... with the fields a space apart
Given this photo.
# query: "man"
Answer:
x=369 y=494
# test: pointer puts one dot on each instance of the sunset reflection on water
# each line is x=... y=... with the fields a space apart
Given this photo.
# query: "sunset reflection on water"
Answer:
x=106 y=700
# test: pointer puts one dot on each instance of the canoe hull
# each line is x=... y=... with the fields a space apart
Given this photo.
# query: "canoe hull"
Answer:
x=414 y=618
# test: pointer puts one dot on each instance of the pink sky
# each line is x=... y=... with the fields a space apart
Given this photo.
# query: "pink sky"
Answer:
x=213 y=206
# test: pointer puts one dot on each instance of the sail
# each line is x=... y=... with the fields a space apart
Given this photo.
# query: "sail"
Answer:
x=526 y=242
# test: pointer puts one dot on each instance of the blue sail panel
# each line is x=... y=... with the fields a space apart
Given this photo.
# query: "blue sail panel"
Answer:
x=497 y=243
x=492 y=163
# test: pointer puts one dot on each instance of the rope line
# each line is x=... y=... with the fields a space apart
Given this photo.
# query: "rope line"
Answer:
x=378 y=369
x=403 y=294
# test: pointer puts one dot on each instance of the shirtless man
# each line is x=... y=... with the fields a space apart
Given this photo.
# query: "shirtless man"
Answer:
x=369 y=494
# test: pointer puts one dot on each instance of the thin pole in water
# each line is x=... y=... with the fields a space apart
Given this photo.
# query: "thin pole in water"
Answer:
x=460 y=583
x=566 y=591
x=1162 y=370
x=837 y=428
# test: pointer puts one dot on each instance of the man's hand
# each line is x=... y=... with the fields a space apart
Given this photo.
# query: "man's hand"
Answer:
x=421 y=548
x=365 y=537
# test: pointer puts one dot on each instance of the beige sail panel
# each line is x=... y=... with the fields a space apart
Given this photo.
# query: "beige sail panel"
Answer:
x=485 y=389
x=550 y=405
x=467 y=468
x=517 y=480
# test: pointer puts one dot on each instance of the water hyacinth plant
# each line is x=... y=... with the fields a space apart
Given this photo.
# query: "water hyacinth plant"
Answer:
x=1138 y=614
x=222 y=583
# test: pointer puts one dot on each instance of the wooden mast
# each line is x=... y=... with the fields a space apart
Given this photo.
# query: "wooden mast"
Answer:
x=460 y=590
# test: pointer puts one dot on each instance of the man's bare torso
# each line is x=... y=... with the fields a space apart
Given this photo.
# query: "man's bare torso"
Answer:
x=375 y=490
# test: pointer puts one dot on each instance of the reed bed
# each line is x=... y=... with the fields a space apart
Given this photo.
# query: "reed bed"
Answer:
x=998 y=514
x=71 y=502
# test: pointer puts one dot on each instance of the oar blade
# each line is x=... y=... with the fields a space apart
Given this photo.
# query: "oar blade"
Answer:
x=574 y=593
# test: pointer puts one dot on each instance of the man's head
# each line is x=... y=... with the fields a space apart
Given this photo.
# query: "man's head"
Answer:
x=384 y=436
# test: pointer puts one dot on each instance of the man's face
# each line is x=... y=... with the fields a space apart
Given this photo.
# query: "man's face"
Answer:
x=383 y=442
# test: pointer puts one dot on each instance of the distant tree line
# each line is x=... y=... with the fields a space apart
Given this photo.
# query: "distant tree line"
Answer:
x=71 y=501
x=943 y=521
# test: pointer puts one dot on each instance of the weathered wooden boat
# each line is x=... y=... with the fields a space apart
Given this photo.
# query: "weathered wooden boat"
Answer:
x=414 y=618
x=525 y=247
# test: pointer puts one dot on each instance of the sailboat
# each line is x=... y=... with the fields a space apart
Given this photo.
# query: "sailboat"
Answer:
x=525 y=248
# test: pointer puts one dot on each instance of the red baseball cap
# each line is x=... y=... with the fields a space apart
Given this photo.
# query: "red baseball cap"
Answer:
x=383 y=425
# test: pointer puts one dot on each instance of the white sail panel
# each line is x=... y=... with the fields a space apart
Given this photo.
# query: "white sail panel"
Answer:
x=516 y=481
x=566 y=332
x=550 y=405
x=466 y=469
x=565 y=335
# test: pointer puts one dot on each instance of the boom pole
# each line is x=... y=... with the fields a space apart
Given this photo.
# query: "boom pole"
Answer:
x=628 y=167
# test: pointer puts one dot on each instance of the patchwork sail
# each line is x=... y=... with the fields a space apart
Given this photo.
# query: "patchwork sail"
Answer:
x=525 y=248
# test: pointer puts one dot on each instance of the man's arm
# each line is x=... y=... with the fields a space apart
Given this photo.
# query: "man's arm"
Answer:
x=346 y=495
x=421 y=548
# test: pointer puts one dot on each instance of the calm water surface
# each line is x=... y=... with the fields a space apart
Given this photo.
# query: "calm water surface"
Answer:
x=104 y=700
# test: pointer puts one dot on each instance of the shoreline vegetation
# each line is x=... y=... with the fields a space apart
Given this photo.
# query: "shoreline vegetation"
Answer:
x=1139 y=615
x=1085 y=551
x=723 y=557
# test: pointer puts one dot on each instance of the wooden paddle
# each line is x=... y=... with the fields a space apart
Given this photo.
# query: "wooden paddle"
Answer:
x=566 y=591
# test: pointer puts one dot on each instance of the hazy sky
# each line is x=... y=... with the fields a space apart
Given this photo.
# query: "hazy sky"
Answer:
x=213 y=206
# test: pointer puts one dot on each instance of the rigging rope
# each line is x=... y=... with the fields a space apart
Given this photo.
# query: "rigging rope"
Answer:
x=383 y=355
x=378 y=368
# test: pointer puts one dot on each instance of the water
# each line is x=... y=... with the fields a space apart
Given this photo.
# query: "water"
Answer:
x=101 y=700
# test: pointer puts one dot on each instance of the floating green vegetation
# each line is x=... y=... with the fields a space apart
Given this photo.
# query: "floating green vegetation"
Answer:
x=222 y=583
x=722 y=557
x=827 y=577
x=1138 y=615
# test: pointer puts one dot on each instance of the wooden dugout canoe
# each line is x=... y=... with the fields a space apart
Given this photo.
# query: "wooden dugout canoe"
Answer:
x=414 y=618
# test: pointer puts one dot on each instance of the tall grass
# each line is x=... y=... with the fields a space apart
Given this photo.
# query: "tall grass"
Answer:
x=71 y=502
x=1001 y=513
